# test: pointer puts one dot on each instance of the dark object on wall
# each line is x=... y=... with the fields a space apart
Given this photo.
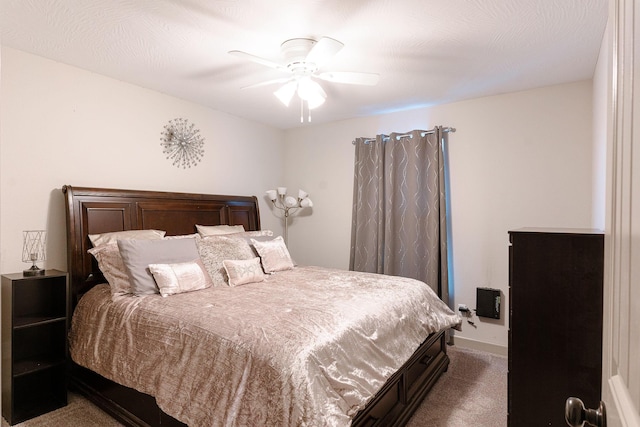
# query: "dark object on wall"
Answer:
x=488 y=302
x=555 y=323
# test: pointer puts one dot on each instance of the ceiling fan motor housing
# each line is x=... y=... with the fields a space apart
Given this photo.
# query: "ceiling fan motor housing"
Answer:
x=295 y=52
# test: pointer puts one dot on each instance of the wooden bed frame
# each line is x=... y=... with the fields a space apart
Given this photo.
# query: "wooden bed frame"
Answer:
x=96 y=210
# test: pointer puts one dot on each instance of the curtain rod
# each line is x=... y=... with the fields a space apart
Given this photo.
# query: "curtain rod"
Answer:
x=408 y=135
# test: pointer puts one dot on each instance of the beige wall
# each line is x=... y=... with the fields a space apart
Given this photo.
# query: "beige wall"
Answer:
x=518 y=159
x=63 y=125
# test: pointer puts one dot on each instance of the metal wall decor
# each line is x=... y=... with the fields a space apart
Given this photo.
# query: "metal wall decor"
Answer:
x=182 y=143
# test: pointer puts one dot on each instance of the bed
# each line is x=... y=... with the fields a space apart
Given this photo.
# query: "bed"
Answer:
x=389 y=399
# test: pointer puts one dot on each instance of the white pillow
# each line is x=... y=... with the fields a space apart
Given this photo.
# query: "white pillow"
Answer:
x=241 y=272
x=183 y=236
x=215 y=230
x=180 y=277
x=273 y=254
x=112 y=267
x=114 y=236
x=137 y=255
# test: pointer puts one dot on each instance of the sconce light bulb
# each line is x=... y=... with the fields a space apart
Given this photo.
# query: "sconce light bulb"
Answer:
x=290 y=202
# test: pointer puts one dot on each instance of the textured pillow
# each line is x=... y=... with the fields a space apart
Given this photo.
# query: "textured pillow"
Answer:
x=114 y=236
x=241 y=272
x=273 y=254
x=112 y=267
x=215 y=249
x=215 y=230
x=255 y=233
x=180 y=277
x=138 y=254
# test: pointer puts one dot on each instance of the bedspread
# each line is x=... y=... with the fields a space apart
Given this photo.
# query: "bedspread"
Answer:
x=309 y=346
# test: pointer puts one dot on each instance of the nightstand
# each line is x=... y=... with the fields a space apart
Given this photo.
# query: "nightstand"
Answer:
x=34 y=344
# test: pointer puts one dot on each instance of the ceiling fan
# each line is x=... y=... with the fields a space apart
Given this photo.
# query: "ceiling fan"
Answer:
x=303 y=58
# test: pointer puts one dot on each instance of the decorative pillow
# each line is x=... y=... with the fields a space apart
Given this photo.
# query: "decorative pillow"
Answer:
x=241 y=272
x=112 y=267
x=255 y=233
x=138 y=254
x=114 y=236
x=183 y=236
x=216 y=230
x=259 y=239
x=180 y=277
x=215 y=249
x=274 y=255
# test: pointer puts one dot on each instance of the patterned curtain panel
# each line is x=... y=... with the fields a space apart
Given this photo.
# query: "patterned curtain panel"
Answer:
x=399 y=221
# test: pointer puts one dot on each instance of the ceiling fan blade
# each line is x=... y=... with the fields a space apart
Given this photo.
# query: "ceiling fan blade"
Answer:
x=257 y=59
x=323 y=50
x=268 y=82
x=348 y=77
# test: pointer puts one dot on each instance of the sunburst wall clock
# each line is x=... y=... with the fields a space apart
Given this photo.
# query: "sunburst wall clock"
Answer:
x=182 y=143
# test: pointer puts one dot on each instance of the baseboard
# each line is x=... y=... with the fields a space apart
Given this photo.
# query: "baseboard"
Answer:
x=480 y=345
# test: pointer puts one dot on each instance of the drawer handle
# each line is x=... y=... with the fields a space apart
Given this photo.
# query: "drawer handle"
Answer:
x=426 y=359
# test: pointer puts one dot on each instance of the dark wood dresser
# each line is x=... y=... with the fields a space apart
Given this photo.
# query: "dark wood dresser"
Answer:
x=555 y=323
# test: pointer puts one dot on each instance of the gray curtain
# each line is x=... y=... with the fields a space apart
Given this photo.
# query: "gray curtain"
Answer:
x=399 y=221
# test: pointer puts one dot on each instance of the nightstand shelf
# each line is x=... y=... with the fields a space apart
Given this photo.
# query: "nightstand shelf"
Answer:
x=28 y=321
x=34 y=344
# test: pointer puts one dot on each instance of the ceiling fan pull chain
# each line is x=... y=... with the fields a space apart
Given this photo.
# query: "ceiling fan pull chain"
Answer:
x=301 y=110
x=309 y=117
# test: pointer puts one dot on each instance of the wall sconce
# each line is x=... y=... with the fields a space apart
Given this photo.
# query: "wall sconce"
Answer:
x=33 y=250
x=288 y=205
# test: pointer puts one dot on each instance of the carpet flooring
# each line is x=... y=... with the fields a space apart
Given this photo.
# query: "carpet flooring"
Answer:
x=473 y=392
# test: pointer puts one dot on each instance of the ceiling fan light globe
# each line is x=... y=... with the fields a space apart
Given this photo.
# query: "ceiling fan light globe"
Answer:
x=315 y=102
x=311 y=91
x=285 y=93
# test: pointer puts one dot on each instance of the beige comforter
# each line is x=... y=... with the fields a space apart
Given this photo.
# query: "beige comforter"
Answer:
x=309 y=346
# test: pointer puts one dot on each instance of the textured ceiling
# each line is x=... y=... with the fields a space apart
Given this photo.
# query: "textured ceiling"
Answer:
x=426 y=51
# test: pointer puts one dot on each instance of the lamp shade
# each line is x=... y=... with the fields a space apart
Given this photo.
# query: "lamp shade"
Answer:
x=290 y=202
x=272 y=195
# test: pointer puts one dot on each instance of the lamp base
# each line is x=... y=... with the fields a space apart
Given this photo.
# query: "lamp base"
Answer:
x=33 y=271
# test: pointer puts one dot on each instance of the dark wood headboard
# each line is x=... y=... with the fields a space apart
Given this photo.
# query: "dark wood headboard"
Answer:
x=100 y=210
